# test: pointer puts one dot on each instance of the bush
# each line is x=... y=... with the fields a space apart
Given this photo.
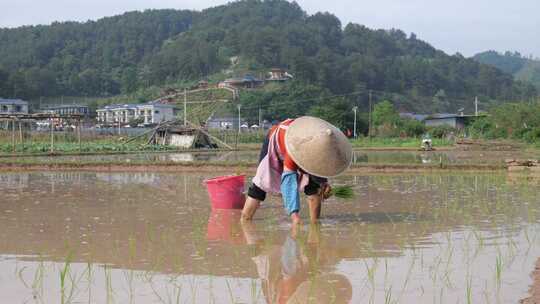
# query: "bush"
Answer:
x=483 y=128
x=531 y=135
x=412 y=127
x=441 y=131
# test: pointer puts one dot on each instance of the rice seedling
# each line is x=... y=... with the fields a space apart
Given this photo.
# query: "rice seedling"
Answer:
x=469 y=290
x=255 y=293
x=108 y=284
x=343 y=192
x=63 y=275
x=498 y=270
x=178 y=291
x=89 y=275
x=21 y=278
x=132 y=249
x=129 y=276
x=231 y=294
x=388 y=296
x=371 y=270
x=37 y=283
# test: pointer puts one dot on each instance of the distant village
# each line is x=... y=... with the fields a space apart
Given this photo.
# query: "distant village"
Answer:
x=152 y=113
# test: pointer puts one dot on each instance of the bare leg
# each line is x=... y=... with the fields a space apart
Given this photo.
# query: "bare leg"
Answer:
x=250 y=233
x=314 y=202
x=250 y=207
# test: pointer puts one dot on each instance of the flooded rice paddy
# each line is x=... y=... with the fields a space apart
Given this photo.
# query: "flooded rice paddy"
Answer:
x=359 y=157
x=80 y=237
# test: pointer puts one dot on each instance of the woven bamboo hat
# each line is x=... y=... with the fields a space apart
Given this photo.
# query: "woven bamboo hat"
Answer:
x=318 y=147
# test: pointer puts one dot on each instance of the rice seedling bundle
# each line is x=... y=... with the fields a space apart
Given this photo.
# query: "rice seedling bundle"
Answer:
x=345 y=192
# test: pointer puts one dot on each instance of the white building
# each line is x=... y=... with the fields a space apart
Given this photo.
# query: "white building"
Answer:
x=151 y=113
x=69 y=109
x=13 y=106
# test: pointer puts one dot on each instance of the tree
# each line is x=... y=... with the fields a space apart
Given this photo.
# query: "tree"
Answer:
x=172 y=47
x=129 y=80
x=4 y=83
x=440 y=101
x=384 y=113
x=18 y=85
x=337 y=111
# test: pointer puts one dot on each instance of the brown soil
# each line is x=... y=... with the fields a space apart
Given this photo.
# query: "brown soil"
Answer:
x=487 y=145
x=534 y=290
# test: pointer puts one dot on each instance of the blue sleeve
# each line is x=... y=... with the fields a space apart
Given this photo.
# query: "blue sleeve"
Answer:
x=289 y=191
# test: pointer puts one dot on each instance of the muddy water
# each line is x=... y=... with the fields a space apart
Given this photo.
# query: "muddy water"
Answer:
x=359 y=157
x=153 y=238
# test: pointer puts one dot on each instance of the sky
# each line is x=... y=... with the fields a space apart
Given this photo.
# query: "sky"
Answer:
x=464 y=26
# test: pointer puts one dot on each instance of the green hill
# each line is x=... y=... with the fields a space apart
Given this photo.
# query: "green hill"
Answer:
x=523 y=68
x=125 y=53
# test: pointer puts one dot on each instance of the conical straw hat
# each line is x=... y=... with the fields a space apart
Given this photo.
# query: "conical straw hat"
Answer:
x=318 y=147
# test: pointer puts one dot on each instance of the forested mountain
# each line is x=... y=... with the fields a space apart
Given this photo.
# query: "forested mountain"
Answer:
x=123 y=53
x=523 y=68
x=91 y=58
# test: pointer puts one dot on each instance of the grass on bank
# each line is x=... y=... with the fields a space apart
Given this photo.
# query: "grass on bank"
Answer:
x=244 y=141
x=396 y=142
x=101 y=146
x=30 y=143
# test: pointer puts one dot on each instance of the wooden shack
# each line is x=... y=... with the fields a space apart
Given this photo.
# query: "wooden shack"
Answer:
x=183 y=137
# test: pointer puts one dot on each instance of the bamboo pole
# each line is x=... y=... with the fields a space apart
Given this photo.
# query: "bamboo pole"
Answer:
x=21 y=135
x=52 y=137
x=209 y=135
x=140 y=135
x=79 y=134
x=13 y=134
x=236 y=140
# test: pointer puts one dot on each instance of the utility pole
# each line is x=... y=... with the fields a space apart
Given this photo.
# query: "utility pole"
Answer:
x=369 y=116
x=476 y=106
x=79 y=126
x=239 y=123
x=355 y=108
x=260 y=118
x=185 y=107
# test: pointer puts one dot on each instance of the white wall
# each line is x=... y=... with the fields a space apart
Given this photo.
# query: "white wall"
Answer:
x=164 y=114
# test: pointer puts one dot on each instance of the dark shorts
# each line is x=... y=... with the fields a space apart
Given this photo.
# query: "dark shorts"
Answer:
x=257 y=193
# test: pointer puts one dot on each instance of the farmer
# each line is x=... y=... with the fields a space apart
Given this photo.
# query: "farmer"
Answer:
x=299 y=155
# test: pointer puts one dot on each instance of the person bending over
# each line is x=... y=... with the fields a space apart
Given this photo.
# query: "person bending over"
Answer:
x=299 y=155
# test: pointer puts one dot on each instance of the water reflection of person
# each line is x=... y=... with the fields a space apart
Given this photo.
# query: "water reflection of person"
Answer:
x=290 y=273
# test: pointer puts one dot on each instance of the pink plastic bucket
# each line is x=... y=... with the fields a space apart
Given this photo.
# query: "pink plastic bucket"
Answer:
x=226 y=192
